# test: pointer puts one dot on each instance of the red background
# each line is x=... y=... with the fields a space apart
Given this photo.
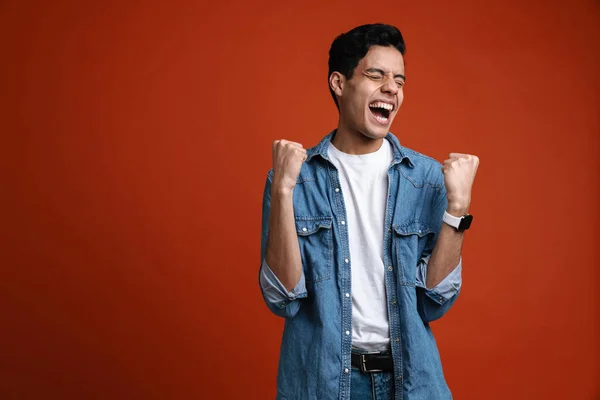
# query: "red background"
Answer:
x=136 y=140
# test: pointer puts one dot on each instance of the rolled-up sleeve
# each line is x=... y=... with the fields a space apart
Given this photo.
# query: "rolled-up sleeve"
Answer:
x=433 y=303
x=447 y=288
x=274 y=291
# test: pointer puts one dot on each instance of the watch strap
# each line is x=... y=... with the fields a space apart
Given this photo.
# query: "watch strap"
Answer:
x=451 y=220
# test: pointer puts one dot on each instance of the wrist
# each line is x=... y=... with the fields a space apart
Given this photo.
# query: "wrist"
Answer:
x=458 y=205
x=278 y=190
x=457 y=210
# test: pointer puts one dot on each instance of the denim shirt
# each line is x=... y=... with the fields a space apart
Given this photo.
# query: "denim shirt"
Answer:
x=316 y=345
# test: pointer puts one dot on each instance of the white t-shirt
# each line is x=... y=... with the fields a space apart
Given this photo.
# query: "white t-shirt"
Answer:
x=364 y=183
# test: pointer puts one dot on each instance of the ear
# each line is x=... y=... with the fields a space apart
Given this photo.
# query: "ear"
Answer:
x=337 y=81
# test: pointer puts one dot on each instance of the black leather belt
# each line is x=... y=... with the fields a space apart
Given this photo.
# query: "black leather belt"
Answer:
x=373 y=362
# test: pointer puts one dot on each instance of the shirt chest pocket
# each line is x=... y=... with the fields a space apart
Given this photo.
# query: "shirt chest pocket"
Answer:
x=409 y=242
x=316 y=248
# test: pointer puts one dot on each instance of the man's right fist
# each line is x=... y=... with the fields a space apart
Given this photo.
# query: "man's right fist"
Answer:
x=287 y=161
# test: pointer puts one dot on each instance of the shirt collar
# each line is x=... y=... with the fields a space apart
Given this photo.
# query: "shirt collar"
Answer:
x=400 y=153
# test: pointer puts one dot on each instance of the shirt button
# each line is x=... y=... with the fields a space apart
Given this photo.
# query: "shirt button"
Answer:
x=395 y=340
x=346 y=370
x=304 y=229
x=347 y=294
x=419 y=231
x=394 y=301
x=346 y=261
x=399 y=377
x=390 y=268
x=337 y=190
x=347 y=332
x=343 y=222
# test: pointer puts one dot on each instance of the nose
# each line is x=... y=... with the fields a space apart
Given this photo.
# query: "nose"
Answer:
x=390 y=86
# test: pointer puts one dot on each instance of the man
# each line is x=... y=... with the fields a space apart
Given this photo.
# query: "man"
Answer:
x=361 y=240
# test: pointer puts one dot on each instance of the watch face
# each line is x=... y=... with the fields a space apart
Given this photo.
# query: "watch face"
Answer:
x=465 y=222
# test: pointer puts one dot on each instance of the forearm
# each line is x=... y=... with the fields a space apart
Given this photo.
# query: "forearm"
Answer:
x=283 y=250
x=446 y=253
x=459 y=173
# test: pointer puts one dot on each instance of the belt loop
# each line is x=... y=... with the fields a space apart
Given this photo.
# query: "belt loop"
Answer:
x=363 y=363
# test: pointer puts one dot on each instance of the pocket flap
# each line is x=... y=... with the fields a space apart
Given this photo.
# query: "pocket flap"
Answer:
x=413 y=228
x=308 y=225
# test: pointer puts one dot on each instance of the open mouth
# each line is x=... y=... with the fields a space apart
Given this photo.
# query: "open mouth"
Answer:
x=381 y=111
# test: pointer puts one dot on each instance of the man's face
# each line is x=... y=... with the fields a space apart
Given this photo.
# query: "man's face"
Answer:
x=370 y=100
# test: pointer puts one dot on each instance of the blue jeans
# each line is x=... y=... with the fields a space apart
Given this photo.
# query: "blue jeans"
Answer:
x=371 y=385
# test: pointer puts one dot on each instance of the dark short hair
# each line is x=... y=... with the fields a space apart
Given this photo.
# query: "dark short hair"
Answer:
x=349 y=48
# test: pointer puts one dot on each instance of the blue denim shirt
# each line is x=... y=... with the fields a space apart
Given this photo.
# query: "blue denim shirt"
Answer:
x=315 y=350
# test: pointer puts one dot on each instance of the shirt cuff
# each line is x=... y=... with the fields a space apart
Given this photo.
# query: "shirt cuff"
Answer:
x=448 y=287
x=273 y=289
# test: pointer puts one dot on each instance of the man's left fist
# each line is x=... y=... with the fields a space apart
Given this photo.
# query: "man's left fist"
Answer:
x=459 y=173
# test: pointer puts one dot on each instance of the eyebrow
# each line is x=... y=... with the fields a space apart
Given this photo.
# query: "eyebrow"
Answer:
x=382 y=72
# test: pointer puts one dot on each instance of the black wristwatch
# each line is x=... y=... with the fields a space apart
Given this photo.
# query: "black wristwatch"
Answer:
x=459 y=223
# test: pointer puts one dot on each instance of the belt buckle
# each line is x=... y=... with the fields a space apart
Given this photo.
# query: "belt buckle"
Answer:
x=363 y=364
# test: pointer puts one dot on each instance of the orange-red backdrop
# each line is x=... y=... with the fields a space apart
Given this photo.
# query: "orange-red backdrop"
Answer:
x=136 y=139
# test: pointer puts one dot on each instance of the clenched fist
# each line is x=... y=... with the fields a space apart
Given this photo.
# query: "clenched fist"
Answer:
x=287 y=161
x=459 y=173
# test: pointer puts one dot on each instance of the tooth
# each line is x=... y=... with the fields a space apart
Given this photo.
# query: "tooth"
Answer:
x=380 y=104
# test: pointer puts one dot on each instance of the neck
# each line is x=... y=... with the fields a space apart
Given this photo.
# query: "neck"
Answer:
x=351 y=141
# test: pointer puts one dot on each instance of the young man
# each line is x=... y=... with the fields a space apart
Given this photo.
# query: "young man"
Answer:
x=361 y=240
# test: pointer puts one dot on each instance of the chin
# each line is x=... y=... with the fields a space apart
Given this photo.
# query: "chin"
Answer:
x=378 y=132
x=374 y=129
